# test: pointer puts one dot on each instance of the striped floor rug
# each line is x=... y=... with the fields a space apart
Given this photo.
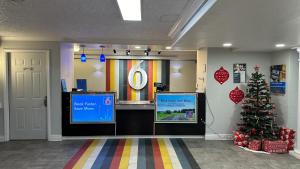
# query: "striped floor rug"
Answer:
x=133 y=154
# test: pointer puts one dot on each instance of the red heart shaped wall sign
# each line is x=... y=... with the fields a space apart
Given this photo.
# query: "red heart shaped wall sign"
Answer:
x=221 y=75
x=236 y=95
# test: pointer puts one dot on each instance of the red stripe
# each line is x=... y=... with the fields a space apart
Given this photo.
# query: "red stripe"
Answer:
x=77 y=156
x=158 y=163
x=107 y=75
x=128 y=86
x=118 y=154
x=150 y=80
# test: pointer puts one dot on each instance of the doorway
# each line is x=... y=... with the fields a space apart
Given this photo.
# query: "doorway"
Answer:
x=27 y=89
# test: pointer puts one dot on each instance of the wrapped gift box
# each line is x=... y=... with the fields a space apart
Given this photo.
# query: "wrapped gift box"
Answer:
x=277 y=146
x=288 y=135
x=255 y=145
x=240 y=139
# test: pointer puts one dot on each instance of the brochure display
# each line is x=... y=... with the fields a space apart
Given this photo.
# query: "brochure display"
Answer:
x=92 y=108
x=176 y=108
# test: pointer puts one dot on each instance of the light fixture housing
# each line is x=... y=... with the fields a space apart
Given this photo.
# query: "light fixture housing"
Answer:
x=130 y=10
x=83 y=57
x=227 y=45
x=102 y=58
x=280 y=45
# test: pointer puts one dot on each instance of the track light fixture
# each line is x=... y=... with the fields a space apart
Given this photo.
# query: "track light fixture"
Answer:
x=114 y=51
x=159 y=52
x=127 y=52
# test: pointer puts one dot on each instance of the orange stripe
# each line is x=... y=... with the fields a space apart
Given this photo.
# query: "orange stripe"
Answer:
x=77 y=156
x=118 y=154
x=107 y=75
x=128 y=86
x=158 y=163
x=150 y=80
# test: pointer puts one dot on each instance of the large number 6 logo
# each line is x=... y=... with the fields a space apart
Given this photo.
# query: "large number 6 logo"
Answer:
x=141 y=77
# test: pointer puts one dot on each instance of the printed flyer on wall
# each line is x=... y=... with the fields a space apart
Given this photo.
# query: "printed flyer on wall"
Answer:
x=239 y=73
x=176 y=108
x=278 y=79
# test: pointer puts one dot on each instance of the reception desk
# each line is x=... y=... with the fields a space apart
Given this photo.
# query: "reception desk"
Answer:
x=132 y=118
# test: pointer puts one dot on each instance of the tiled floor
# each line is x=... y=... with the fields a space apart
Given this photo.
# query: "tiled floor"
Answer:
x=209 y=155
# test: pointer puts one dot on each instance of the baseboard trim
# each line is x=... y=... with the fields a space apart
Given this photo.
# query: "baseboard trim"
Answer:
x=295 y=153
x=2 y=139
x=55 y=138
x=125 y=136
x=218 y=137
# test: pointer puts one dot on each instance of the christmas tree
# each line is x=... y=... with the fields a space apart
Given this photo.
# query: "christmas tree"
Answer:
x=258 y=114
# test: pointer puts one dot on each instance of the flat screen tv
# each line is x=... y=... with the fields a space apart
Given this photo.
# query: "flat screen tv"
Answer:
x=92 y=108
x=176 y=108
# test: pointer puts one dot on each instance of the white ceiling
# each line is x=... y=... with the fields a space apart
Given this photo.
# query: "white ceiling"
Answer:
x=87 y=21
x=251 y=25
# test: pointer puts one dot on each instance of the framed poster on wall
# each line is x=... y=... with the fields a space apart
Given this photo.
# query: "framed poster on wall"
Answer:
x=239 y=73
x=176 y=108
x=278 y=79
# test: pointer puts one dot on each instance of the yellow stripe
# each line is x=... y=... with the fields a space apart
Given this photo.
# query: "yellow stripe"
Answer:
x=112 y=75
x=165 y=154
x=80 y=163
x=133 y=96
x=126 y=154
x=154 y=75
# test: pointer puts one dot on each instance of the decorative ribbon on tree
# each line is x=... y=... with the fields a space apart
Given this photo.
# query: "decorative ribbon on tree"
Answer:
x=221 y=75
x=236 y=95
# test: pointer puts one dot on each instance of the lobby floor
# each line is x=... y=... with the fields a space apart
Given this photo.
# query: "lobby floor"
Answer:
x=208 y=154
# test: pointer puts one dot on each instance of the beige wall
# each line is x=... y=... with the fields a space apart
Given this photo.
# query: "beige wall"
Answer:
x=93 y=71
x=183 y=76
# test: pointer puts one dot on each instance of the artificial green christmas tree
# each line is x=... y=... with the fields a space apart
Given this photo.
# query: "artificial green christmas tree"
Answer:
x=258 y=114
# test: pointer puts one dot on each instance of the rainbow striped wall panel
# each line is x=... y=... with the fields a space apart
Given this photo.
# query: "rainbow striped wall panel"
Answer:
x=117 y=77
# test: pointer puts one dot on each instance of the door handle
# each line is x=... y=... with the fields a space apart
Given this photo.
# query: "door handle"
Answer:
x=45 y=101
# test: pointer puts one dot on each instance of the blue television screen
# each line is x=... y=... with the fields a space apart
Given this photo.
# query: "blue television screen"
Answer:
x=93 y=108
x=176 y=108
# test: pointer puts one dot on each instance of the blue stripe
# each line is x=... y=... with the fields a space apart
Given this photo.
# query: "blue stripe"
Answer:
x=101 y=156
x=181 y=157
x=141 y=154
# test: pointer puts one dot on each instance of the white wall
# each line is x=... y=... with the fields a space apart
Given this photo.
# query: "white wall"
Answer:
x=227 y=113
x=67 y=64
x=201 y=70
x=54 y=48
x=286 y=105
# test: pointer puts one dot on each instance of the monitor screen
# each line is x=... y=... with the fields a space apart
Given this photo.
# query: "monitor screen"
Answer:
x=92 y=108
x=176 y=108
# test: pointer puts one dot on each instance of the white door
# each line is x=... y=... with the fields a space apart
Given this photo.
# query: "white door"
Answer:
x=28 y=91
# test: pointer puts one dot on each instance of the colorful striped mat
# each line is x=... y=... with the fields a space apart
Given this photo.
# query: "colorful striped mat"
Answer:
x=133 y=154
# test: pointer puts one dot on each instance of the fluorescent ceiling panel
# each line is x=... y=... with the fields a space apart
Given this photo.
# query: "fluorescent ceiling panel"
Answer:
x=130 y=9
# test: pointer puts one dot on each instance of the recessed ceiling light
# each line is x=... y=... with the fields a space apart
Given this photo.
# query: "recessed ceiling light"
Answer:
x=130 y=10
x=227 y=45
x=280 y=45
x=168 y=47
x=137 y=47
